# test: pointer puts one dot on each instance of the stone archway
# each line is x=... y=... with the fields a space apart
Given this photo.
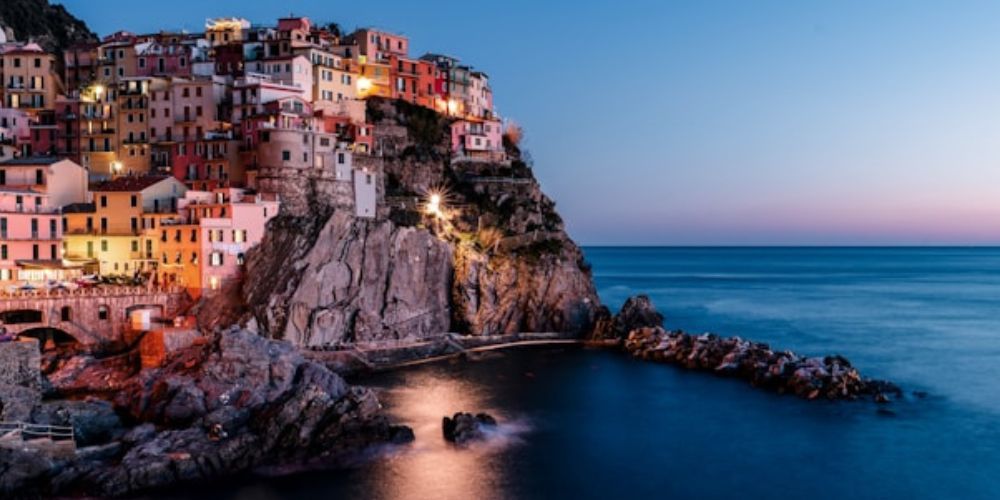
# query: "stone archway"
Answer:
x=50 y=339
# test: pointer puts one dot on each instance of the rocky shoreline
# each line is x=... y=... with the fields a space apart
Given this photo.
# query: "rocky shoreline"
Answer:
x=225 y=407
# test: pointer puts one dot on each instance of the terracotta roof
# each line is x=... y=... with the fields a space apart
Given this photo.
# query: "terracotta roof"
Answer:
x=128 y=183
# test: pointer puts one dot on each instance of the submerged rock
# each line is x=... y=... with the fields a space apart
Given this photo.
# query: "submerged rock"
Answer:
x=462 y=428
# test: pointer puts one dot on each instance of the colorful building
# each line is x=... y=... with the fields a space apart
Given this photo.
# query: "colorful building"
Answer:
x=30 y=237
x=204 y=246
x=29 y=77
x=63 y=181
x=109 y=235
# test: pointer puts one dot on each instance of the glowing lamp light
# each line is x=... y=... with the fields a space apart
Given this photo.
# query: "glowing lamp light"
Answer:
x=116 y=167
x=98 y=90
x=452 y=106
x=434 y=205
x=364 y=84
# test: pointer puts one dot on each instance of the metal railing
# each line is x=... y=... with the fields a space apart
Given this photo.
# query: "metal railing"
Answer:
x=28 y=432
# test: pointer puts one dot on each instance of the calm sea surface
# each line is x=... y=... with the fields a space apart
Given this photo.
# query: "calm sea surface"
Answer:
x=593 y=424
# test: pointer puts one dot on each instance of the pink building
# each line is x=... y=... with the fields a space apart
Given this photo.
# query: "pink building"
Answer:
x=14 y=124
x=155 y=58
x=205 y=246
x=251 y=93
x=183 y=109
x=292 y=71
x=30 y=237
x=379 y=45
x=477 y=138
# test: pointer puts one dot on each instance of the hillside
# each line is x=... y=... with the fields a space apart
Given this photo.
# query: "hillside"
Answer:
x=52 y=26
x=497 y=262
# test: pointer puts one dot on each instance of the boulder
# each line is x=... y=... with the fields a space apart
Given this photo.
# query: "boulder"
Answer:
x=462 y=428
x=637 y=312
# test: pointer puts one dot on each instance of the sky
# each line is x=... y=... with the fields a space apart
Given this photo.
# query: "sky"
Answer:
x=714 y=122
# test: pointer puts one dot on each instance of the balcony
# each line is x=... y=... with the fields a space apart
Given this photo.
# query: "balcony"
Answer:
x=29 y=209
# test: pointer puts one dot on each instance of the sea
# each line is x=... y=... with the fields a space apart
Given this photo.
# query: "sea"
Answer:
x=581 y=423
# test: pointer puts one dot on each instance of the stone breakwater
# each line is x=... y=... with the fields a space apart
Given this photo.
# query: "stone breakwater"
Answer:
x=638 y=328
x=828 y=377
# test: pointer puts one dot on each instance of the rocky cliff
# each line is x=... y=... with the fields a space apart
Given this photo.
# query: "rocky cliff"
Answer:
x=51 y=26
x=496 y=261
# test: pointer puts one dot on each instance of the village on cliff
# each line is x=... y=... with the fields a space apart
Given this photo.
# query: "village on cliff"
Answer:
x=137 y=172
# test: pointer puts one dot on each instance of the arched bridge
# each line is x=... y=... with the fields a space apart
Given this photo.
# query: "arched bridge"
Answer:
x=96 y=317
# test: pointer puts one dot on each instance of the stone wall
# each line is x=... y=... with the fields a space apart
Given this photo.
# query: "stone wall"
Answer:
x=300 y=190
x=87 y=324
x=19 y=363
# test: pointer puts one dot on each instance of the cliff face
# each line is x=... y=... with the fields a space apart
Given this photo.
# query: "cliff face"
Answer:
x=355 y=280
x=50 y=25
x=500 y=263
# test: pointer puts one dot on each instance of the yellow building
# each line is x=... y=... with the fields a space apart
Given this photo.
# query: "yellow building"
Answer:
x=108 y=235
x=98 y=141
x=29 y=78
x=226 y=30
x=132 y=130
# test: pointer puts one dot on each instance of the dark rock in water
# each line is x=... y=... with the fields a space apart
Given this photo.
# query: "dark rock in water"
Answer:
x=465 y=427
x=637 y=312
x=830 y=377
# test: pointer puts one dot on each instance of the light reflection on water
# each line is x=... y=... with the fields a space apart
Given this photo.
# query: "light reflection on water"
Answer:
x=432 y=467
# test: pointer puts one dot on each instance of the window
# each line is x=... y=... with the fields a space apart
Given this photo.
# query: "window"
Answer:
x=38 y=177
x=286 y=155
x=102 y=313
x=3 y=252
x=66 y=314
x=135 y=246
x=104 y=245
x=216 y=259
x=135 y=200
x=104 y=201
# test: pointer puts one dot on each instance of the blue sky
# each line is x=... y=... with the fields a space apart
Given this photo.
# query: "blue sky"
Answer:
x=716 y=122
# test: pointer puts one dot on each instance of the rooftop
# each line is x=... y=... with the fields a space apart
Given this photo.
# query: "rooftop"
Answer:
x=33 y=160
x=128 y=183
x=79 y=208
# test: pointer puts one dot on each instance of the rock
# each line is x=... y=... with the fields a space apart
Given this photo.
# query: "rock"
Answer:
x=223 y=408
x=830 y=377
x=636 y=312
x=94 y=421
x=465 y=427
x=22 y=471
x=18 y=402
